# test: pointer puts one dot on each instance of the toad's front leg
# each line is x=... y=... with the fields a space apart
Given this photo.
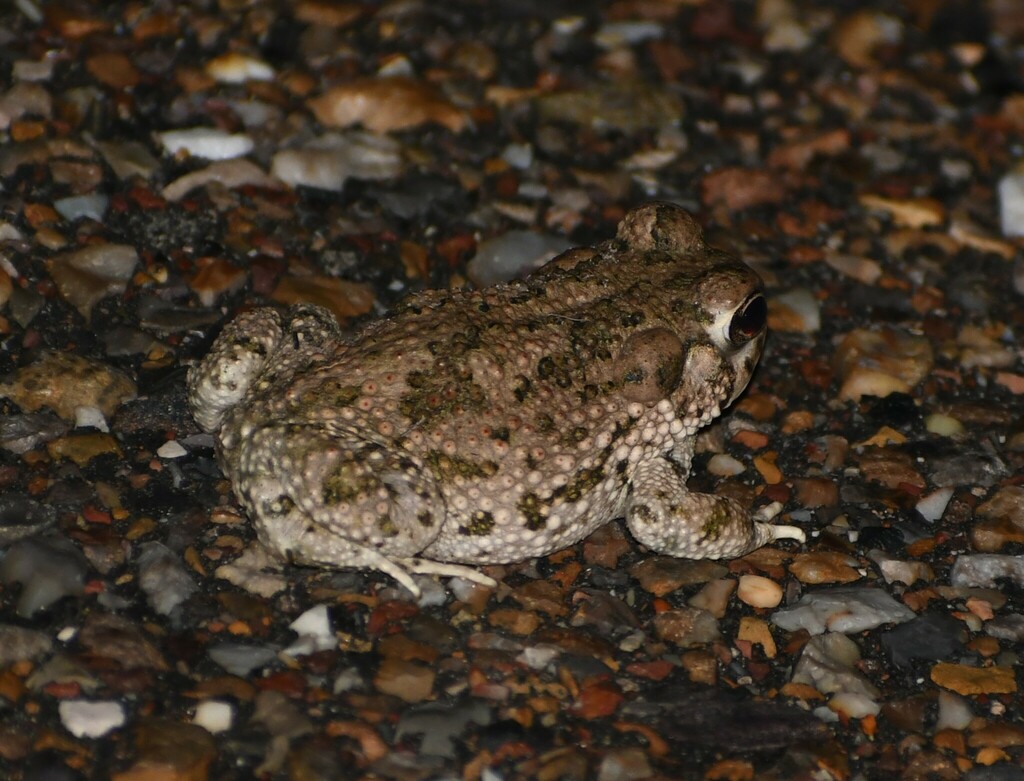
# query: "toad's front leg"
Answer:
x=330 y=498
x=666 y=517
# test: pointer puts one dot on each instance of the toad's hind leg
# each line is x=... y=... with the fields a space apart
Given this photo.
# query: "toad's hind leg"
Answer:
x=322 y=495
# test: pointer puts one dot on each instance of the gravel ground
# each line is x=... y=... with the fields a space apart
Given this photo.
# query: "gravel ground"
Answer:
x=166 y=165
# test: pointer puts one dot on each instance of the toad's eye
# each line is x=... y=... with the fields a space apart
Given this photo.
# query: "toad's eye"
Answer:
x=749 y=320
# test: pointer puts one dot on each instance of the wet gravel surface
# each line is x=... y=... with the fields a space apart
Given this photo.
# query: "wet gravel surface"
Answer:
x=167 y=165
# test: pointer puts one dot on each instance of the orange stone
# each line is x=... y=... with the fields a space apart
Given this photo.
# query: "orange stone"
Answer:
x=967 y=680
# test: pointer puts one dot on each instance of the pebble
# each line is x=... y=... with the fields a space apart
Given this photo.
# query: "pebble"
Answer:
x=170 y=750
x=171 y=449
x=930 y=636
x=854 y=706
x=624 y=764
x=714 y=596
x=329 y=161
x=724 y=465
x=628 y=108
x=796 y=310
x=128 y=158
x=207 y=143
x=612 y=35
x=878 y=363
x=519 y=156
x=787 y=34
x=91 y=417
x=18 y=644
x=386 y=104
x=985 y=569
x=898 y=571
x=513 y=255
x=214 y=716
x=315 y=632
x=1007 y=627
x=954 y=712
x=662 y=575
x=442 y=725
x=34 y=70
x=232 y=174
x=967 y=680
x=813 y=492
x=61 y=669
x=86 y=276
x=81 y=448
x=759 y=591
x=409 y=681
x=824 y=567
x=216 y=278
x=22 y=516
x=256 y=571
x=1003 y=520
x=828 y=662
x=943 y=425
x=756 y=632
x=848 y=610
x=862 y=269
x=969 y=465
x=906 y=212
x=1011 y=201
x=686 y=627
x=238 y=68
x=932 y=505
x=163 y=577
x=48 y=569
x=91 y=719
x=92 y=206
x=241 y=659
x=24 y=98
x=113 y=637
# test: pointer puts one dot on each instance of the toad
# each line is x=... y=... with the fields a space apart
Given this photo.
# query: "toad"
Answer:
x=494 y=425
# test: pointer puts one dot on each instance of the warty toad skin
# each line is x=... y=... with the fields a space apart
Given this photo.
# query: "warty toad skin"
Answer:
x=495 y=425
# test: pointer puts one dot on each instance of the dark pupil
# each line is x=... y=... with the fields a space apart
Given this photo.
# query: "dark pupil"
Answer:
x=749 y=321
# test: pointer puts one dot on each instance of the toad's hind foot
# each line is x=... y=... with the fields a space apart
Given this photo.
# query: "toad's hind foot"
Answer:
x=440 y=569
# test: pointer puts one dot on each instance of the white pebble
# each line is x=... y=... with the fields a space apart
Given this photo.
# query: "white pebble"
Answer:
x=943 y=425
x=862 y=269
x=518 y=156
x=93 y=206
x=314 y=630
x=802 y=303
x=86 y=719
x=206 y=142
x=90 y=417
x=237 y=68
x=214 y=716
x=328 y=161
x=846 y=609
x=931 y=506
x=758 y=591
x=724 y=465
x=612 y=35
x=537 y=657
x=855 y=706
x=1011 y=202
x=513 y=254
x=171 y=449
x=954 y=712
